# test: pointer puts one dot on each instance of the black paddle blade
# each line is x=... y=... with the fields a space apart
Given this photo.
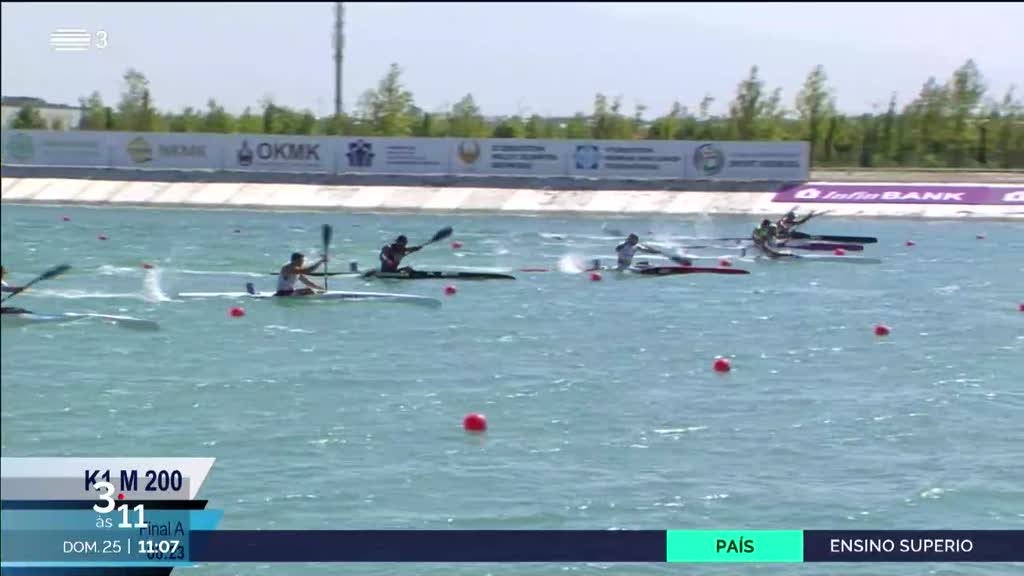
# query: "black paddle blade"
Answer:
x=441 y=234
x=327 y=233
x=54 y=272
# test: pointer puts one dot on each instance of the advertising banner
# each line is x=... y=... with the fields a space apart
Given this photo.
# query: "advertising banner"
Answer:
x=510 y=157
x=629 y=158
x=749 y=161
x=52 y=148
x=394 y=155
x=169 y=151
x=880 y=193
x=280 y=153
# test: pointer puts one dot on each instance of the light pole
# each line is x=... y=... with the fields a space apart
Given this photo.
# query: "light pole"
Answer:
x=339 y=51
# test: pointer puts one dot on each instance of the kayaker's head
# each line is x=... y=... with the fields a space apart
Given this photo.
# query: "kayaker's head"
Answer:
x=790 y=216
x=401 y=241
x=298 y=259
x=633 y=239
x=766 y=223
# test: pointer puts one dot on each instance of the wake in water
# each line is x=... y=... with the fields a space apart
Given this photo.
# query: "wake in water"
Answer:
x=151 y=290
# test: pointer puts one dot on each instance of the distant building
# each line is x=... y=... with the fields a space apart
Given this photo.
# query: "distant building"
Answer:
x=66 y=116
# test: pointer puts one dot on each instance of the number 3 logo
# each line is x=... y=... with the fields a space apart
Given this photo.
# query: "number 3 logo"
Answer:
x=101 y=39
x=107 y=495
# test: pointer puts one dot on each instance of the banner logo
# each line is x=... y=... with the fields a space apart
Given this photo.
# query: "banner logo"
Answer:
x=708 y=159
x=20 y=146
x=139 y=150
x=360 y=154
x=469 y=151
x=245 y=154
x=1017 y=196
x=588 y=157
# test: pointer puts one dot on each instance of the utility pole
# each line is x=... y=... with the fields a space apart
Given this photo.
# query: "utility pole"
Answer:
x=339 y=51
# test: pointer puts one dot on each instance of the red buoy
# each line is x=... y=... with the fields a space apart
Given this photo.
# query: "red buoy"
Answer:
x=724 y=263
x=474 y=422
x=66 y=219
x=147 y=266
x=456 y=245
x=910 y=243
x=839 y=252
x=237 y=312
x=1021 y=308
x=101 y=237
x=881 y=330
x=722 y=365
x=595 y=277
x=450 y=290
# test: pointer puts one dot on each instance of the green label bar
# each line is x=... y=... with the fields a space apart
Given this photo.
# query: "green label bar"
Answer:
x=734 y=546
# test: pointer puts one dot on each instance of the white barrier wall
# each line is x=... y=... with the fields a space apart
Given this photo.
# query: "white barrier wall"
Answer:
x=610 y=159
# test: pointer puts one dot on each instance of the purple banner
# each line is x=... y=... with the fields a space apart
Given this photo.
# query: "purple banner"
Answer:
x=902 y=194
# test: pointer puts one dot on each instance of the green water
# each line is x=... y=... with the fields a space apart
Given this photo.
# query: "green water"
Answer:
x=603 y=408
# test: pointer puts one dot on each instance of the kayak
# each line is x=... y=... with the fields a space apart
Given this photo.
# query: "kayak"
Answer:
x=29 y=318
x=669 y=270
x=418 y=275
x=330 y=295
x=823 y=246
x=833 y=238
x=825 y=258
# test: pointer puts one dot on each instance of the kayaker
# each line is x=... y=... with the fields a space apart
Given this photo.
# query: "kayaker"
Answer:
x=764 y=239
x=391 y=255
x=294 y=271
x=4 y=286
x=789 y=222
x=625 y=251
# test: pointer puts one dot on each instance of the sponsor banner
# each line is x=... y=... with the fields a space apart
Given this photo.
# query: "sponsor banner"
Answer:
x=881 y=193
x=393 y=155
x=175 y=151
x=280 y=153
x=749 y=161
x=51 y=148
x=629 y=158
x=509 y=157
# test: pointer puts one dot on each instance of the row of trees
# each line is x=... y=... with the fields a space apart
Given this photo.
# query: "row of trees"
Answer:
x=950 y=124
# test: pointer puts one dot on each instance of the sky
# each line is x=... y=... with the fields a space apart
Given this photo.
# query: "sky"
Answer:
x=525 y=58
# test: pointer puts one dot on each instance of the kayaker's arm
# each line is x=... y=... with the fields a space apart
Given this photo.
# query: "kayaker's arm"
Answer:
x=310 y=284
x=800 y=221
x=311 y=269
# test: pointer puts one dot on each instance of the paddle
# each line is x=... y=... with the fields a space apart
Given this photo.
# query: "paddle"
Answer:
x=437 y=237
x=677 y=259
x=51 y=273
x=326 y=234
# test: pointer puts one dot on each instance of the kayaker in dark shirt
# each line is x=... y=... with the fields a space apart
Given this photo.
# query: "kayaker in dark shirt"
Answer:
x=392 y=254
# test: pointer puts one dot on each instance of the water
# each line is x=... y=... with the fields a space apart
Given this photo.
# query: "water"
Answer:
x=603 y=408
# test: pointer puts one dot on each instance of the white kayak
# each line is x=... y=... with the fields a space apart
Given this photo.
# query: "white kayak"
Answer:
x=824 y=258
x=330 y=295
x=29 y=318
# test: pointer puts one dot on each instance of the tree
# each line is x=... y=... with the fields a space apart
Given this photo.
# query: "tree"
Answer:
x=510 y=128
x=965 y=89
x=188 y=121
x=135 y=110
x=94 y=115
x=540 y=128
x=576 y=127
x=745 y=110
x=389 y=108
x=57 y=124
x=28 y=118
x=465 y=120
x=669 y=126
x=249 y=123
x=814 y=104
x=217 y=120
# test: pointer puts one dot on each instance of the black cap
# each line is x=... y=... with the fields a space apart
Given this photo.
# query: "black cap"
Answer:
x=296 y=256
x=401 y=239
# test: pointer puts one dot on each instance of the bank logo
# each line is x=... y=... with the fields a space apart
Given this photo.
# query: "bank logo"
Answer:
x=1016 y=197
x=468 y=151
x=20 y=147
x=588 y=157
x=360 y=154
x=708 y=159
x=139 y=150
x=807 y=194
x=245 y=154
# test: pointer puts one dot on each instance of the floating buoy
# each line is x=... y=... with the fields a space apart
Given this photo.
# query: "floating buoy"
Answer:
x=595 y=277
x=450 y=290
x=101 y=237
x=66 y=219
x=980 y=236
x=1021 y=307
x=724 y=263
x=839 y=252
x=881 y=330
x=722 y=365
x=237 y=312
x=456 y=245
x=910 y=243
x=147 y=265
x=237 y=231
x=474 y=422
